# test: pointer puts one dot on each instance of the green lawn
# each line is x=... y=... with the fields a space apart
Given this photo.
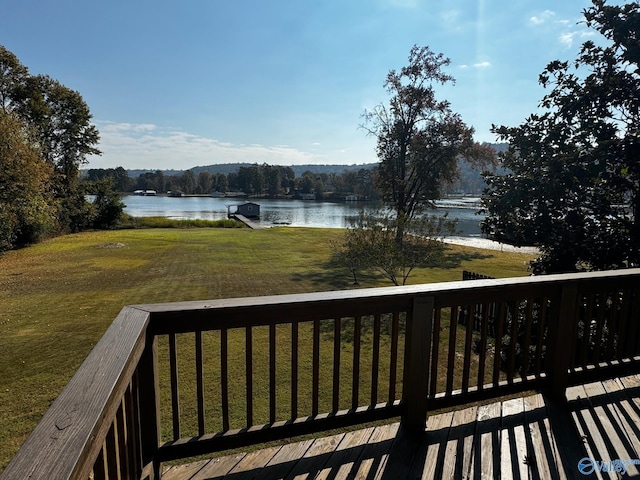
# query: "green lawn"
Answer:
x=58 y=297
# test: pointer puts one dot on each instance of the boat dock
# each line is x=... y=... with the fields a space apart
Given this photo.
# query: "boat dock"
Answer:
x=249 y=223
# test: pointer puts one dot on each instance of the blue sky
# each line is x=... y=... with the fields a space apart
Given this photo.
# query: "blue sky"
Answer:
x=180 y=84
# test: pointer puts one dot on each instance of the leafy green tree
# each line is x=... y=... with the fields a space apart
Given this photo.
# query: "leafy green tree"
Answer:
x=573 y=181
x=273 y=176
x=205 y=182
x=12 y=77
x=188 y=182
x=307 y=182
x=151 y=181
x=251 y=179
x=107 y=205
x=371 y=244
x=61 y=124
x=27 y=206
x=221 y=183
x=419 y=138
x=120 y=180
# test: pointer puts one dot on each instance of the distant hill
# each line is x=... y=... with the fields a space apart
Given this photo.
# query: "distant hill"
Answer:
x=470 y=181
x=227 y=168
x=135 y=173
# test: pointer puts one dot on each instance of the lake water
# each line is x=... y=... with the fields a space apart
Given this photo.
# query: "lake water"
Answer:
x=297 y=213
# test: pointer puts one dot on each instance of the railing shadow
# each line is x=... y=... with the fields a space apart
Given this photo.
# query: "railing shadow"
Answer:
x=541 y=440
x=609 y=426
x=523 y=438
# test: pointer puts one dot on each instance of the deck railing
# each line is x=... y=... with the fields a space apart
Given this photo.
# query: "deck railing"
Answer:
x=170 y=381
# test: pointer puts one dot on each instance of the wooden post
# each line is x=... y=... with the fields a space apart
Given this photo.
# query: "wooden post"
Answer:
x=417 y=361
x=149 y=409
x=562 y=337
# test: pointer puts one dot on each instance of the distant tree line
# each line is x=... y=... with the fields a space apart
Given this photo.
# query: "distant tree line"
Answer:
x=272 y=180
x=45 y=136
x=256 y=180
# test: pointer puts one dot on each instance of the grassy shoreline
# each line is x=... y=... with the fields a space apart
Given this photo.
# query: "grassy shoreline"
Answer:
x=58 y=297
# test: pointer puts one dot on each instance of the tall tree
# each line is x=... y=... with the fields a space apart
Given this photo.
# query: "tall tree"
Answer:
x=205 y=182
x=27 y=207
x=419 y=138
x=63 y=122
x=573 y=185
x=12 y=77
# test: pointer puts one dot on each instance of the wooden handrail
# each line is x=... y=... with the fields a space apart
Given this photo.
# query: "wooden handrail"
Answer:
x=438 y=345
x=70 y=435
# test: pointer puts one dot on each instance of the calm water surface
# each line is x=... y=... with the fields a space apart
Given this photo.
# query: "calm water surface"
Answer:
x=297 y=213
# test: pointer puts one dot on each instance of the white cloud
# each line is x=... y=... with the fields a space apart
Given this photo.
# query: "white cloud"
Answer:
x=482 y=65
x=568 y=38
x=542 y=18
x=464 y=67
x=149 y=146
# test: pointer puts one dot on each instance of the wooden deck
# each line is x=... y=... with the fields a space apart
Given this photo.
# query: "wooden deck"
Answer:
x=157 y=387
x=524 y=438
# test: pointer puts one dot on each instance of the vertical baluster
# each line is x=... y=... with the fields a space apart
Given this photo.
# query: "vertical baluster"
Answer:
x=148 y=406
x=122 y=439
x=623 y=324
x=528 y=318
x=294 y=369
x=586 y=332
x=435 y=362
x=224 y=377
x=484 y=333
x=514 y=310
x=542 y=322
x=249 y=374
x=612 y=323
x=336 y=363
x=573 y=346
x=598 y=341
x=175 y=400
x=100 y=471
x=451 y=360
x=316 y=368
x=375 y=364
x=112 y=455
x=466 y=369
x=132 y=429
x=500 y=319
x=200 y=382
x=634 y=312
x=272 y=373
x=355 y=384
x=393 y=364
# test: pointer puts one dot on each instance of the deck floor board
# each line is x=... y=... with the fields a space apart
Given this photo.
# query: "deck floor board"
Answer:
x=527 y=438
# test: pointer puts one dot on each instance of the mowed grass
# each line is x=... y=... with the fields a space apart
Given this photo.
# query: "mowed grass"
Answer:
x=57 y=298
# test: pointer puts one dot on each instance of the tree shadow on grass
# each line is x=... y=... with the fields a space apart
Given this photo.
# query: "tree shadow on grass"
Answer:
x=454 y=259
x=334 y=275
